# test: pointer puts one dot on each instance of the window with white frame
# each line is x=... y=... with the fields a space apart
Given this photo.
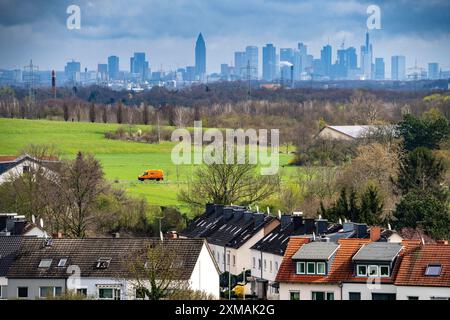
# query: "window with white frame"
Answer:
x=234 y=260
x=320 y=267
x=373 y=271
x=384 y=271
x=108 y=293
x=276 y=266
x=62 y=262
x=300 y=268
x=361 y=270
x=310 y=267
x=45 y=263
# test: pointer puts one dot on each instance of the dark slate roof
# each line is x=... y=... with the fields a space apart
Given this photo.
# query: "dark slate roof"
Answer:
x=9 y=246
x=378 y=251
x=8 y=163
x=229 y=226
x=316 y=251
x=85 y=253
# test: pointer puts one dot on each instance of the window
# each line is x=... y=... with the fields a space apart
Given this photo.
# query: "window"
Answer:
x=22 y=292
x=330 y=295
x=228 y=259
x=316 y=295
x=276 y=266
x=140 y=294
x=433 y=270
x=384 y=271
x=45 y=263
x=82 y=292
x=259 y=264
x=254 y=263
x=320 y=267
x=105 y=293
x=270 y=265
x=62 y=263
x=58 y=291
x=373 y=271
x=300 y=268
x=354 y=296
x=413 y=298
x=265 y=265
x=25 y=169
x=361 y=271
x=103 y=263
x=234 y=260
x=295 y=295
x=311 y=268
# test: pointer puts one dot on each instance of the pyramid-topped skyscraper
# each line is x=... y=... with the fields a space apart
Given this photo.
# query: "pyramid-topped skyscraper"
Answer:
x=200 y=56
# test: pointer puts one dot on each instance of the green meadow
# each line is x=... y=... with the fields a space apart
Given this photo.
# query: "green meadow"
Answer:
x=122 y=161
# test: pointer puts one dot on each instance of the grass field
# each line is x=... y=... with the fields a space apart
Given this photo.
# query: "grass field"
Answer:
x=122 y=161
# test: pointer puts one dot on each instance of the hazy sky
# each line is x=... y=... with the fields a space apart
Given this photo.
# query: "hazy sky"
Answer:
x=166 y=30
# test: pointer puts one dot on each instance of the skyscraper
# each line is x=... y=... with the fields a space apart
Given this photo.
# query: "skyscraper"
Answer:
x=113 y=67
x=433 y=70
x=379 y=69
x=200 y=57
x=240 y=64
x=325 y=57
x=251 y=53
x=366 y=59
x=138 y=65
x=102 y=70
x=398 y=68
x=72 y=71
x=269 y=57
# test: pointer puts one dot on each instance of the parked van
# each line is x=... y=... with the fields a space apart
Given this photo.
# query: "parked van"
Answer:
x=152 y=175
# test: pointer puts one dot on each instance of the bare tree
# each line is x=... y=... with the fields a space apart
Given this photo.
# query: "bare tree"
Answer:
x=228 y=183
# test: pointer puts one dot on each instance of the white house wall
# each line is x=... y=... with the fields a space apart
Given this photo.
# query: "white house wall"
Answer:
x=423 y=293
x=366 y=290
x=205 y=276
x=307 y=289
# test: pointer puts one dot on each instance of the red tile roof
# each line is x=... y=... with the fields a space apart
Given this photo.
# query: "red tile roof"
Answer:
x=341 y=267
x=415 y=262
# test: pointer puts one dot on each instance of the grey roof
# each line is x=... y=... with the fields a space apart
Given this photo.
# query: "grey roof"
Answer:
x=316 y=251
x=354 y=131
x=85 y=253
x=9 y=246
x=378 y=251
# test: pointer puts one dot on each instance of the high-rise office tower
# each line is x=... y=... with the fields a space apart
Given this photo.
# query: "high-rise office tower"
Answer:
x=287 y=54
x=366 y=59
x=72 y=71
x=251 y=53
x=433 y=70
x=269 y=56
x=225 y=71
x=379 y=69
x=398 y=68
x=200 y=57
x=240 y=64
x=113 y=67
x=102 y=70
x=138 y=65
x=325 y=57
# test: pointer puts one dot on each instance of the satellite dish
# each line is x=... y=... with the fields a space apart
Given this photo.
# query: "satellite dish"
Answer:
x=340 y=221
x=389 y=226
x=320 y=216
x=33 y=219
x=279 y=214
x=41 y=223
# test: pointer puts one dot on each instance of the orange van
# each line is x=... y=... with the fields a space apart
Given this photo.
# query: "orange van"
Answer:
x=152 y=175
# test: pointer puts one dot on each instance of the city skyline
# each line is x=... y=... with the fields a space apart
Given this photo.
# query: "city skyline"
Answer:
x=106 y=32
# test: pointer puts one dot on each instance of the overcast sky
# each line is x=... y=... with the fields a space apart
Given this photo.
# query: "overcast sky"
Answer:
x=166 y=30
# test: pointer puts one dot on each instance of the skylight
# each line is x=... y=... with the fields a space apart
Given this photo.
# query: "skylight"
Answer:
x=45 y=263
x=103 y=263
x=433 y=270
x=62 y=262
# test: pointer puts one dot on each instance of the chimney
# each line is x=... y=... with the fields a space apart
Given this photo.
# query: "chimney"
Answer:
x=116 y=235
x=321 y=226
x=285 y=220
x=209 y=208
x=238 y=213
x=309 y=226
x=375 y=233
x=172 y=234
x=57 y=235
x=442 y=242
x=361 y=230
x=228 y=213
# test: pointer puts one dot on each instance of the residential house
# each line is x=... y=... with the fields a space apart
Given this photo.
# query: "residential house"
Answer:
x=315 y=270
x=231 y=231
x=9 y=246
x=424 y=273
x=345 y=133
x=11 y=166
x=98 y=267
x=14 y=224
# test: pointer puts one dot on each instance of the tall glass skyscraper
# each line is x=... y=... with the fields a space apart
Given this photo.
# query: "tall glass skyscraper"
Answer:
x=325 y=57
x=113 y=67
x=139 y=65
x=240 y=64
x=251 y=53
x=398 y=68
x=433 y=70
x=269 y=56
x=200 y=56
x=379 y=69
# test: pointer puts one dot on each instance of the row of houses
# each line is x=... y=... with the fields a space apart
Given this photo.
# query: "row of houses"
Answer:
x=291 y=257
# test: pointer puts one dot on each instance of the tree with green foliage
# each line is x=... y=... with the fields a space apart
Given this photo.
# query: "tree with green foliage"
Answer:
x=426 y=131
x=422 y=209
x=371 y=206
x=421 y=170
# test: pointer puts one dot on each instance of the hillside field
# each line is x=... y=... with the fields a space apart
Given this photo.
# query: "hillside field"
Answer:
x=122 y=161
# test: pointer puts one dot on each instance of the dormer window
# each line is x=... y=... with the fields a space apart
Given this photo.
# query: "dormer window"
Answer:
x=373 y=270
x=300 y=268
x=321 y=268
x=361 y=271
x=45 y=263
x=311 y=268
x=433 y=270
x=103 y=263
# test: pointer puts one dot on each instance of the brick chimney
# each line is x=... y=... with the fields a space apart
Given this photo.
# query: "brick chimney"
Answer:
x=172 y=234
x=375 y=233
x=57 y=235
x=442 y=242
